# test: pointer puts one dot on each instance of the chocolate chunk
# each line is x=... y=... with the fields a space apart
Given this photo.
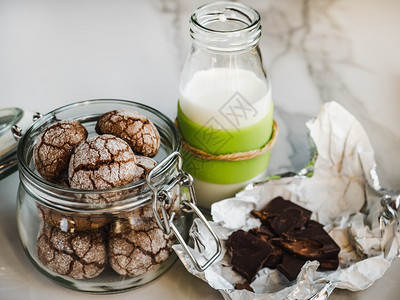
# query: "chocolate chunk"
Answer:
x=262 y=232
x=312 y=223
x=329 y=264
x=310 y=243
x=291 y=218
x=275 y=256
x=289 y=214
x=244 y=286
x=248 y=253
x=291 y=237
x=265 y=234
x=258 y=214
x=290 y=266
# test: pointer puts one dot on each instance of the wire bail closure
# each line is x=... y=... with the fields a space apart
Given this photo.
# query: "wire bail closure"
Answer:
x=162 y=198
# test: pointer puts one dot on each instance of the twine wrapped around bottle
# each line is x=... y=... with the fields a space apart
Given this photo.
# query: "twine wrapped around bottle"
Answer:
x=238 y=156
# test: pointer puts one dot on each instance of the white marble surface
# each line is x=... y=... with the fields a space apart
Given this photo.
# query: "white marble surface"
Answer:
x=56 y=52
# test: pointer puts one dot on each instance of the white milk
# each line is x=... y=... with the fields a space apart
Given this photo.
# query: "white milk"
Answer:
x=209 y=90
x=209 y=93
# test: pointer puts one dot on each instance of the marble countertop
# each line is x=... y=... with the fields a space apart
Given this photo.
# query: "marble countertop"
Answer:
x=57 y=52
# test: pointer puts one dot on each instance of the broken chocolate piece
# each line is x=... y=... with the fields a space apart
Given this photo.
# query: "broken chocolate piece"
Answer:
x=265 y=234
x=301 y=247
x=310 y=243
x=328 y=264
x=275 y=257
x=262 y=232
x=290 y=266
x=244 y=286
x=278 y=207
x=291 y=237
x=291 y=218
x=259 y=215
x=312 y=223
x=248 y=253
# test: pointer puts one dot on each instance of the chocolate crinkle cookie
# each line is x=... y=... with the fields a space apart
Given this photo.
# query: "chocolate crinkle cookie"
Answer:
x=71 y=222
x=78 y=255
x=143 y=166
x=145 y=212
x=137 y=246
x=102 y=162
x=55 y=146
x=134 y=128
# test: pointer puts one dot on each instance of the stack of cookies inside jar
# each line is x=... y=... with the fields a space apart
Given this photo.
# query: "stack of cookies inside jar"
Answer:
x=78 y=246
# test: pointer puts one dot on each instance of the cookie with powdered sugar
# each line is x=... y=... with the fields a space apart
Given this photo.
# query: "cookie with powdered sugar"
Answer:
x=134 y=128
x=80 y=255
x=101 y=162
x=54 y=148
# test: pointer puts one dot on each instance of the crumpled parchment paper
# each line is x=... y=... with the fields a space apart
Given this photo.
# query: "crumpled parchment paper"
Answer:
x=342 y=195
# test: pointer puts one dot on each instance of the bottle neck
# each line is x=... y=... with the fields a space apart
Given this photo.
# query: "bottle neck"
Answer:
x=225 y=27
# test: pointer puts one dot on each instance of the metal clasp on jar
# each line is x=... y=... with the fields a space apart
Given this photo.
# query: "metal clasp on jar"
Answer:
x=162 y=198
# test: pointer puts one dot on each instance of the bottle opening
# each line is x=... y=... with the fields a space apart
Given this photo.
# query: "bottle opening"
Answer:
x=225 y=17
x=226 y=26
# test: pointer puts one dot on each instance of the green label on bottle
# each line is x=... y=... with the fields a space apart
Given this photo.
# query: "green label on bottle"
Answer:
x=211 y=138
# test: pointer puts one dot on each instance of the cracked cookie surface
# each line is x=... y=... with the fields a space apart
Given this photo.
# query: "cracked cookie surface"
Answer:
x=143 y=166
x=145 y=212
x=78 y=255
x=55 y=146
x=71 y=222
x=137 y=246
x=102 y=162
x=134 y=128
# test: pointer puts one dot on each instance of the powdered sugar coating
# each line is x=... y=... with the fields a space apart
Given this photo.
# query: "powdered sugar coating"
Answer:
x=137 y=246
x=134 y=128
x=145 y=212
x=78 y=255
x=143 y=166
x=55 y=146
x=102 y=162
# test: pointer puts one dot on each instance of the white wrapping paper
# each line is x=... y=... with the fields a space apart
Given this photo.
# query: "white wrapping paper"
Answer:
x=340 y=196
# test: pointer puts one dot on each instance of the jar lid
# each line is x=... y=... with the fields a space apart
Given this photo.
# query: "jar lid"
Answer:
x=13 y=121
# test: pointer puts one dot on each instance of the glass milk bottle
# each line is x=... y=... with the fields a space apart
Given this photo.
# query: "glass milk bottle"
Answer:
x=225 y=111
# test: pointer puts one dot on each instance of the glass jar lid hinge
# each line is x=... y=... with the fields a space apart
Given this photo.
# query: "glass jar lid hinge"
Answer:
x=162 y=198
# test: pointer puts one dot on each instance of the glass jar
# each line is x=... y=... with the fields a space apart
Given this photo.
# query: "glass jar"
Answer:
x=225 y=110
x=11 y=117
x=97 y=247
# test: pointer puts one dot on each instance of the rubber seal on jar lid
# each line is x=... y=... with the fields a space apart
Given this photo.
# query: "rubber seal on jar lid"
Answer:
x=10 y=117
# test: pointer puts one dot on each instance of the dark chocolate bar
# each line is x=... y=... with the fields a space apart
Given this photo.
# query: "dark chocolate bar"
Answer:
x=312 y=223
x=248 y=253
x=289 y=219
x=311 y=243
x=290 y=266
x=329 y=264
x=286 y=239
x=244 y=286
x=275 y=256
x=263 y=232
x=283 y=215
